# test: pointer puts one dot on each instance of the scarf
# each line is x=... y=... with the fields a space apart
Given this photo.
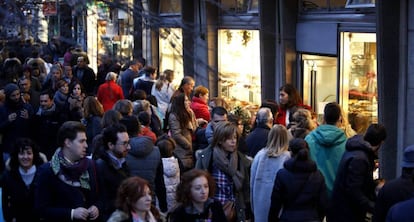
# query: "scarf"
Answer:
x=46 y=112
x=27 y=176
x=74 y=174
x=228 y=165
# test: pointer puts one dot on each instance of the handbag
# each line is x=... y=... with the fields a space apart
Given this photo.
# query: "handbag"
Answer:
x=229 y=209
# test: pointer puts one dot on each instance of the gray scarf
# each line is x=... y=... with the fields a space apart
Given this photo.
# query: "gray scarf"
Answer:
x=228 y=165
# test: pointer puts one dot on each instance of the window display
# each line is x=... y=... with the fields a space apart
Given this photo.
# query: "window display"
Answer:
x=359 y=78
x=239 y=67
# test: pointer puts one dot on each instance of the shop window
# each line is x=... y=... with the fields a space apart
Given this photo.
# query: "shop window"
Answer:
x=359 y=91
x=170 y=7
x=239 y=67
x=171 y=52
x=240 y=6
x=360 y=3
x=309 y=5
x=320 y=82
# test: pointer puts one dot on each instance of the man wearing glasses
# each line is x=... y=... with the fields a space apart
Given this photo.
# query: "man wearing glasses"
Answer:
x=111 y=166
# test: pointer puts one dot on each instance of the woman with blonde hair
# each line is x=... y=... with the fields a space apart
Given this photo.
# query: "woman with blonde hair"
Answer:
x=267 y=162
x=162 y=90
x=301 y=123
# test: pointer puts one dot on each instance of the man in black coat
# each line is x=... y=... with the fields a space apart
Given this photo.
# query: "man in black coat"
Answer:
x=397 y=190
x=66 y=187
x=353 y=194
x=257 y=139
x=111 y=167
x=46 y=122
x=85 y=75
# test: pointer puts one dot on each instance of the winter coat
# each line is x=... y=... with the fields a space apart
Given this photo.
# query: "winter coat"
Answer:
x=401 y=212
x=44 y=126
x=354 y=190
x=257 y=139
x=109 y=179
x=171 y=179
x=263 y=174
x=144 y=84
x=55 y=199
x=183 y=138
x=300 y=190
x=88 y=79
x=144 y=160
x=163 y=97
x=213 y=211
x=200 y=108
x=392 y=192
x=127 y=78
x=20 y=127
x=93 y=128
x=326 y=145
x=108 y=94
x=17 y=198
x=204 y=162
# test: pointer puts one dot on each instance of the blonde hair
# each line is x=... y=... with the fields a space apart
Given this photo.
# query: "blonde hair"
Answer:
x=303 y=119
x=277 y=140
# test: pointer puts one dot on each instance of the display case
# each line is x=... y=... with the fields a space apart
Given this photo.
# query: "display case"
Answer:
x=359 y=79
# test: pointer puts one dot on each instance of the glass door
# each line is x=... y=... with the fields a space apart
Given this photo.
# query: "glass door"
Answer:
x=319 y=81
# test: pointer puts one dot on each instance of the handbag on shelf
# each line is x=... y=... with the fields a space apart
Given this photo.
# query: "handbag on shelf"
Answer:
x=229 y=209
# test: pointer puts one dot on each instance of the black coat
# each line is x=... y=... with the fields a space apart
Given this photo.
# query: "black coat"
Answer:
x=109 y=180
x=394 y=191
x=54 y=199
x=257 y=139
x=17 y=198
x=88 y=79
x=300 y=189
x=44 y=130
x=354 y=189
x=213 y=211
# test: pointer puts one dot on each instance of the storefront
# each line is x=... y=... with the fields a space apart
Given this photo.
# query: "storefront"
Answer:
x=338 y=63
x=239 y=67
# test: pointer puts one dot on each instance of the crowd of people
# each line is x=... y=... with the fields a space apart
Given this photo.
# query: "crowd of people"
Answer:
x=127 y=145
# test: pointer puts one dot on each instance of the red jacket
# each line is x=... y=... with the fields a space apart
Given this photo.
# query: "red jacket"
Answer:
x=281 y=114
x=200 y=108
x=109 y=93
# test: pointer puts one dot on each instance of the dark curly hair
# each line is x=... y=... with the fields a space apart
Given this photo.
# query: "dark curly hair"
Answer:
x=21 y=145
x=183 y=194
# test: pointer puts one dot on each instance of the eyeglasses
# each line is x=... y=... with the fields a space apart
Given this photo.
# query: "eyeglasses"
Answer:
x=126 y=143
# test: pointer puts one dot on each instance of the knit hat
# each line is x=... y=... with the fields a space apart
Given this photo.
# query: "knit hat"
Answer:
x=10 y=88
x=408 y=157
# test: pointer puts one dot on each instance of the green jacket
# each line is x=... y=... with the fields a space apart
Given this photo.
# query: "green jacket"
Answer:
x=327 y=145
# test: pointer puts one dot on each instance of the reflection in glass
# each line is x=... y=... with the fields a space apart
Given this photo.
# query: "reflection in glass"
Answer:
x=239 y=66
x=359 y=79
x=171 y=52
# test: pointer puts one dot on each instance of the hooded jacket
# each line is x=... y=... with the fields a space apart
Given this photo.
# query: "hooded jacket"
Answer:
x=354 y=190
x=144 y=160
x=326 y=145
x=300 y=189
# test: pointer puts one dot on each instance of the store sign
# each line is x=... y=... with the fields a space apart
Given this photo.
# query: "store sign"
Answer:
x=49 y=8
